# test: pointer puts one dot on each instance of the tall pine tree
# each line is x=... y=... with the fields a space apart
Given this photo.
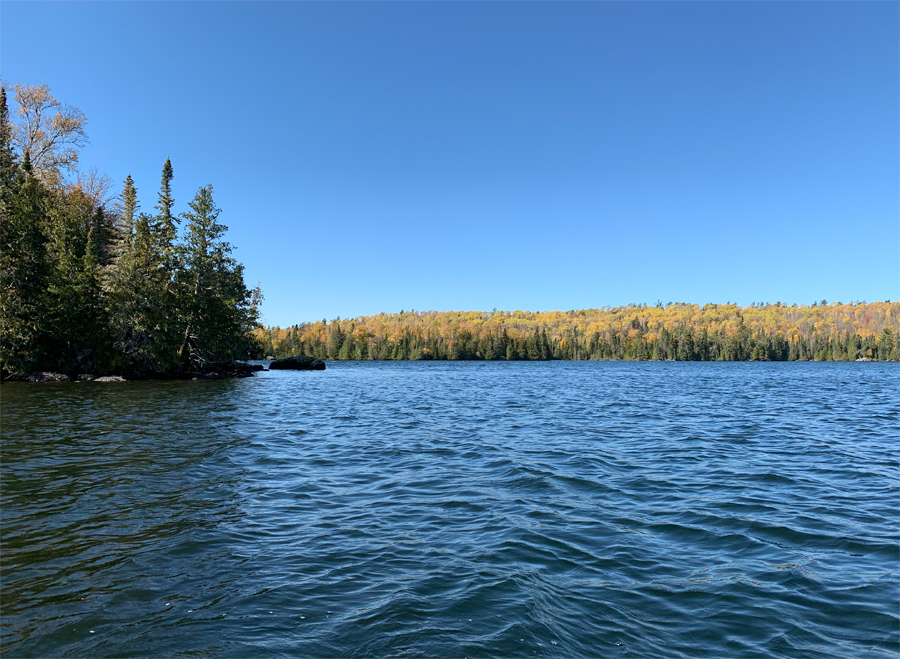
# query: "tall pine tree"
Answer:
x=129 y=210
x=165 y=228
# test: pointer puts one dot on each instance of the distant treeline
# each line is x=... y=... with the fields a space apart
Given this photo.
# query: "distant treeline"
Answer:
x=92 y=285
x=682 y=332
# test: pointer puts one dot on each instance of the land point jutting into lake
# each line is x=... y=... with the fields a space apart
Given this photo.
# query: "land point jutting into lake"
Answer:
x=93 y=286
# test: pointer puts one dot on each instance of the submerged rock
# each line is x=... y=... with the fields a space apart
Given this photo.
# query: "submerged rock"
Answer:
x=301 y=363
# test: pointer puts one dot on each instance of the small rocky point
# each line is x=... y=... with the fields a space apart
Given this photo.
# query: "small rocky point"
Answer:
x=301 y=363
x=49 y=376
x=42 y=376
x=235 y=370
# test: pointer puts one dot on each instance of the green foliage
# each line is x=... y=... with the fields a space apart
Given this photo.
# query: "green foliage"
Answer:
x=8 y=166
x=89 y=291
x=129 y=209
x=73 y=313
x=218 y=310
x=24 y=269
x=137 y=295
x=163 y=229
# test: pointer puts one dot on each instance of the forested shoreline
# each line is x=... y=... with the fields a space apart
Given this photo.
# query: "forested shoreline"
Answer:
x=92 y=285
x=679 y=331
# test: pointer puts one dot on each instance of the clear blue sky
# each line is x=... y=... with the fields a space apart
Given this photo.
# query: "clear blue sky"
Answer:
x=375 y=157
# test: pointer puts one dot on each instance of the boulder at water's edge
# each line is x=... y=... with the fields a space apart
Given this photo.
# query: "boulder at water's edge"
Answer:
x=301 y=363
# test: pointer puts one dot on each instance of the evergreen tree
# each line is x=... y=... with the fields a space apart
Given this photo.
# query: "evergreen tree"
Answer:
x=219 y=310
x=336 y=341
x=24 y=268
x=164 y=229
x=84 y=290
x=68 y=221
x=886 y=344
x=162 y=296
x=96 y=343
x=137 y=293
x=348 y=347
x=129 y=209
x=8 y=166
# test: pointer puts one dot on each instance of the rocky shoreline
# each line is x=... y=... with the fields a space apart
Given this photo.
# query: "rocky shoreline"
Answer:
x=237 y=370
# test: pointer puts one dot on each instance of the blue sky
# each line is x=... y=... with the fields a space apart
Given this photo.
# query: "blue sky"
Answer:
x=375 y=157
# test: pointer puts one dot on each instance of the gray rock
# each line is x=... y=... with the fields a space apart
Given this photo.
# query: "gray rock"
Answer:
x=301 y=363
x=46 y=376
x=110 y=378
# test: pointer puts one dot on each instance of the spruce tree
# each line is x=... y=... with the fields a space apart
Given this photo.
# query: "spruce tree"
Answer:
x=886 y=344
x=165 y=229
x=24 y=268
x=219 y=310
x=137 y=287
x=8 y=166
x=104 y=237
x=72 y=244
x=162 y=297
x=129 y=209
x=96 y=342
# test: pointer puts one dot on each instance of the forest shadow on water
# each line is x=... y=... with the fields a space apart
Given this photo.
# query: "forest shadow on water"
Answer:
x=472 y=509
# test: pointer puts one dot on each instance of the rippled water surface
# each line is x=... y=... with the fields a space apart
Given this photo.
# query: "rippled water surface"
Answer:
x=457 y=510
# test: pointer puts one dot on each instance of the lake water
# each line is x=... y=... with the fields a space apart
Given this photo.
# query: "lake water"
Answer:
x=457 y=510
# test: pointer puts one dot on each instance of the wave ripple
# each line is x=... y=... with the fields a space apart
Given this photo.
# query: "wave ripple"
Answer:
x=457 y=509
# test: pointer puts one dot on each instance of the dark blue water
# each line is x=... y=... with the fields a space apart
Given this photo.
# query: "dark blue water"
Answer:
x=457 y=510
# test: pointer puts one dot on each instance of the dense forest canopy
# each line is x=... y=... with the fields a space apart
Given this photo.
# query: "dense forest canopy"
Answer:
x=90 y=284
x=715 y=332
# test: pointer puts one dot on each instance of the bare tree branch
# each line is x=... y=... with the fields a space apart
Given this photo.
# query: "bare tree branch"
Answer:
x=97 y=186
